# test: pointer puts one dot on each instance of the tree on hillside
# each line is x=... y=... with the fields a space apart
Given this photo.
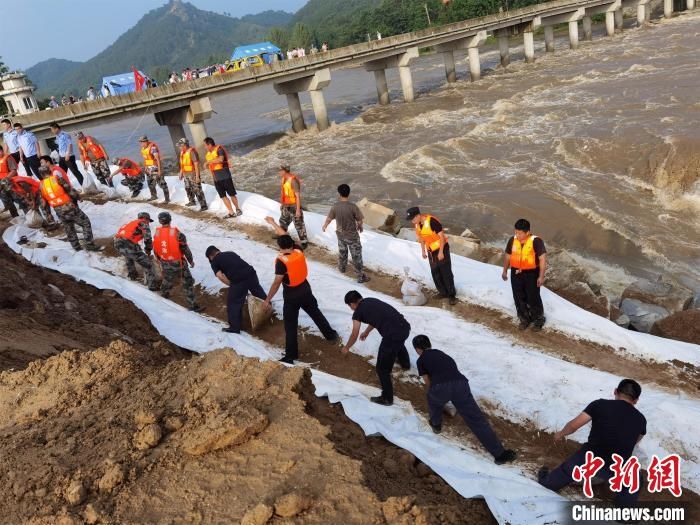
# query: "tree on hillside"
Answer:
x=3 y=68
x=279 y=37
x=301 y=36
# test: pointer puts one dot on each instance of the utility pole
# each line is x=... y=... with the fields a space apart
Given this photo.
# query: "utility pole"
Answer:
x=427 y=13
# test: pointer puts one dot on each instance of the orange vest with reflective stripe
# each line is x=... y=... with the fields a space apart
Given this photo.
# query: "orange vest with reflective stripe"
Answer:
x=296 y=267
x=522 y=256
x=426 y=234
x=288 y=197
x=60 y=172
x=214 y=153
x=148 y=158
x=53 y=192
x=186 y=161
x=89 y=146
x=19 y=189
x=131 y=232
x=4 y=167
x=130 y=172
x=166 y=244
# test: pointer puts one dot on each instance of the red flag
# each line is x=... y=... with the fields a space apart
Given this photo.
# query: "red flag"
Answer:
x=139 y=79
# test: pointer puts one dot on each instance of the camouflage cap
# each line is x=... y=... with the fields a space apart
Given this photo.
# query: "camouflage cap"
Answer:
x=145 y=216
x=143 y=138
x=164 y=217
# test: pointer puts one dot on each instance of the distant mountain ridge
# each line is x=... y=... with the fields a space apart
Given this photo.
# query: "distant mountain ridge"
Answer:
x=169 y=38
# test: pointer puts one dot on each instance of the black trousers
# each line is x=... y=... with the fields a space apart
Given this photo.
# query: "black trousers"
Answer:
x=236 y=298
x=16 y=156
x=461 y=396
x=290 y=312
x=32 y=165
x=70 y=164
x=526 y=295
x=391 y=349
x=442 y=272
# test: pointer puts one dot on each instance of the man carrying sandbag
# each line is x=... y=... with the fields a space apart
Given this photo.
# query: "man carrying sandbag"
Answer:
x=240 y=277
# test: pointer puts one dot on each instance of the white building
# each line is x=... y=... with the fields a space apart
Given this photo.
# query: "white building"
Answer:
x=17 y=93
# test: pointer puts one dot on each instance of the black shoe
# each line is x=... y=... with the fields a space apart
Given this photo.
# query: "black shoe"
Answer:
x=134 y=193
x=167 y=200
x=203 y=208
x=153 y=288
x=381 y=401
x=304 y=245
x=239 y=213
x=196 y=308
x=542 y=474
x=287 y=360
x=230 y=216
x=333 y=338
x=538 y=325
x=453 y=301
x=405 y=367
x=506 y=457
x=152 y=198
x=93 y=248
x=436 y=428
x=133 y=276
x=190 y=204
x=363 y=279
x=165 y=295
x=230 y=330
x=523 y=324
x=78 y=248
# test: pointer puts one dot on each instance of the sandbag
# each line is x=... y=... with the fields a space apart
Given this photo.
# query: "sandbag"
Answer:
x=89 y=186
x=259 y=315
x=414 y=300
x=33 y=219
x=412 y=294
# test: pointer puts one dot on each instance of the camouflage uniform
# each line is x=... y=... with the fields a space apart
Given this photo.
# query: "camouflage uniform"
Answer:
x=153 y=176
x=350 y=242
x=194 y=190
x=70 y=215
x=6 y=197
x=135 y=255
x=172 y=270
x=135 y=184
x=101 y=170
x=30 y=199
x=288 y=216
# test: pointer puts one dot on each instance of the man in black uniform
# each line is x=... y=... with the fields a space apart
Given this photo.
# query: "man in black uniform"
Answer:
x=616 y=428
x=444 y=382
x=240 y=277
x=291 y=272
x=393 y=328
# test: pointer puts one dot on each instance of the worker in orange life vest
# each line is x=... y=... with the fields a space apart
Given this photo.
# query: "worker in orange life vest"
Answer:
x=526 y=256
x=434 y=247
x=290 y=204
x=153 y=169
x=175 y=259
x=27 y=193
x=133 y=175
x=62 y=197
x=127 y=242
x=291 y=273
x=94 y=155
x=8 y=170
x=190 y=172
x=54 y=169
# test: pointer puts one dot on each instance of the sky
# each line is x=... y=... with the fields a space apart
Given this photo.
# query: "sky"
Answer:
x=79 y=29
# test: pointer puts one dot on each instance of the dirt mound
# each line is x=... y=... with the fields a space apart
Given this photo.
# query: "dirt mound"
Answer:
x=683 y=326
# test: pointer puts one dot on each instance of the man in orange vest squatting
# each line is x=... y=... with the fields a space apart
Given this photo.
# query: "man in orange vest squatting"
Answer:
x=26 y=192
x=127 y=243
x=526 y=256
x=133 y=175
x=8 y=170
x=434 y=247
x=154 y=172
x=62 y=197
x=291 y=272
x=174 y=256
x=220 y=168
x=290 y=204
x=190 y=173
x=94 y=155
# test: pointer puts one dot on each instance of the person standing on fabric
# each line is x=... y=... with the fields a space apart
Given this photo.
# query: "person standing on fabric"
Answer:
x=9 y=137
x=62 y=197
x=444 y=383
x=220 y=168
x=435 y=247
x=153 y=169
x=174 y=255
x=133 y=175
x=127 y=243
x=241 y=278
x=526 y=256
x=616 y=428
x=189 y=172
x=65 y=151
x=8 y=170
x=290 y=204
x=291 y=273
x=93 y=155
x=348 y=226
x=29 y=150
x=393 y=328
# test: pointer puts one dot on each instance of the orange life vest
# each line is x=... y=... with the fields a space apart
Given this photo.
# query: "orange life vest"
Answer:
x=426 y=234
x=88 y=147
x=131 y=231
x=148 y=157
x=60 y=172
x=213 y=154
x=288 y=196
x=296 y=267
x=133 y=171
x=19 y=189
x=522 y=256
x=53 y=192
x=4 y=166
x=187 y=161
x=166 y=244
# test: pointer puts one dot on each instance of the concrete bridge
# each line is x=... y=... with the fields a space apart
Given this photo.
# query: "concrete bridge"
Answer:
x=175 y=105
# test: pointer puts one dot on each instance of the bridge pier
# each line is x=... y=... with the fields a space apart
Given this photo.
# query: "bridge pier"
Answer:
x=471 y=44
x=382 y=87
x=194 y=115
x=450 y=71
x=550 y=21
x=619 y=20
x=401 y=61
x=314 y=84
x=668 y=8
x=641 y=14
x=573 y=34
x=529 y=45
x=587 y=28
x=199 y=132
x=177 y=132
x=690 y=5
x=474 y=63
x=610 y=23
x=549 y=39
x=503 y=36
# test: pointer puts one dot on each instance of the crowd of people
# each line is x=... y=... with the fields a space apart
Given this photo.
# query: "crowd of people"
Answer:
x=616 y=425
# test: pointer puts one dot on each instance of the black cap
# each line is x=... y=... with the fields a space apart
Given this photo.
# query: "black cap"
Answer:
x=164 y=217
x=412 y=212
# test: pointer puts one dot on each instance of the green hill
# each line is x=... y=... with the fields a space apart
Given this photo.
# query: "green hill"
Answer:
x=168 y=38
x=48 y=71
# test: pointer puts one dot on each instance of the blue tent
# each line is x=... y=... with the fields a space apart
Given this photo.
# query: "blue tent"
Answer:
x=118 y=84
x=267 y=49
